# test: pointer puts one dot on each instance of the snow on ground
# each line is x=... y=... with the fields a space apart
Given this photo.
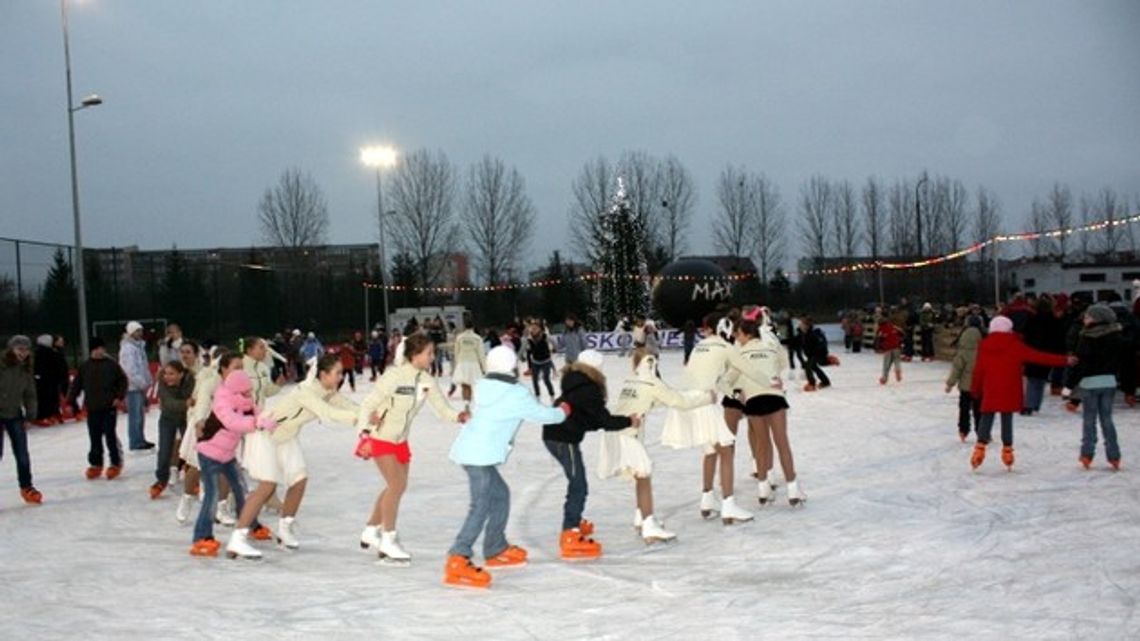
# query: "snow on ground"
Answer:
x=900 y=540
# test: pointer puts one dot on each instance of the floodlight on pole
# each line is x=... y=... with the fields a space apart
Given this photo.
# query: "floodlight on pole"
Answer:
x=380 y=157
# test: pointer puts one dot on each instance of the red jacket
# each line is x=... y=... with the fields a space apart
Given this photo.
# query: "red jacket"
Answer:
x=888 y=337
x=997 y=373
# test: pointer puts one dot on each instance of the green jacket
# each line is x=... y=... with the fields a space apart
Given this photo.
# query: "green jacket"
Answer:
x=17 y=390
x=962 y=368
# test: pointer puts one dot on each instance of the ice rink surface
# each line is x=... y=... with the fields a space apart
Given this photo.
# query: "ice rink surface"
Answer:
x=899 y=539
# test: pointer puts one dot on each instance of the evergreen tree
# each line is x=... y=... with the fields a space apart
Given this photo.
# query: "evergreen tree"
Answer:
x=565 y=297
x=182 y=294
x=101 y=302
x=623 y=289
x=404 y=272
x=59 y=306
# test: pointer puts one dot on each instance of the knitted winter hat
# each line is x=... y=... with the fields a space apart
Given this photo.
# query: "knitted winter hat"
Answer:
x=133 y=327
x=974 y=320
x=1001 y=324
x=593 y=358
x=238 y=382
x=19 y=340
x=1101 y=313
x=501 y=360
x=44 y=340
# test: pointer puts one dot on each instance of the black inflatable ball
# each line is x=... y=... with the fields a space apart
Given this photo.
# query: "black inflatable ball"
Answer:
x=688 y=289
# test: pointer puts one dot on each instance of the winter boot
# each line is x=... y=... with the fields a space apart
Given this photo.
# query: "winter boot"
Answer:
x=286 y=536
x=710 y=504
x=1007 y=456
x=114 y=471
x=370 y=538
x=512 y=557
x=575 y=546
x=653 y=531
x=586 y=527
x=156 y=490
x=239 y=545
x=31 y=495
x=766 y=492
x=796 y=495
x=731 y=513
x=978 y=456
x=459 y=571
x=205 y=547
x=390 y=551
x=182 y=514
x=1086 y=461
x=93 y=473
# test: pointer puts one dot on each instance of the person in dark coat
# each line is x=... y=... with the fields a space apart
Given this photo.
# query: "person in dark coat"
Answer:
x=103 y=385
x=51 y=374
x=1100 y=351
x=1040 y=333
x=584 y=389
x=815 y=350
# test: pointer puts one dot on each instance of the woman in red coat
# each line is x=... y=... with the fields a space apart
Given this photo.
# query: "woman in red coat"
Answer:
x=997 y=383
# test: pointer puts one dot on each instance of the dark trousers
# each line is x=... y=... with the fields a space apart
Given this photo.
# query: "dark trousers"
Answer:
x=349 y=376
x=19 y=437
x=813 y=370
x=986 y=427
x=908 y=342
x=968 y=406
x=100 y=429
x=169 y=430
x=542 y=370
x=569 y=455
x=856 y=344
x=927 y=334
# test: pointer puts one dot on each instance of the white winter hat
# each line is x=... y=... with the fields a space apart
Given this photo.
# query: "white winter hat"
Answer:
x=296 y=332
x=134 y=326
x=312 y=335
x=592 y=357
x=44 y=340
x=501 y=360
x=1001 y=325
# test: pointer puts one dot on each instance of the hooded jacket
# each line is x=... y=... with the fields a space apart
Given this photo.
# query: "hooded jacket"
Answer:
x=573 y=343
x=237 y=414
x=308 y=402
x=132 y=358
x=17 y=389
x=756 y=365
x=962 y=367
x=584 y=388
x=1100 y=351
x=997 y=371
x=261 y=377
x=500 y=406
x=50 y=369
x=469 y=349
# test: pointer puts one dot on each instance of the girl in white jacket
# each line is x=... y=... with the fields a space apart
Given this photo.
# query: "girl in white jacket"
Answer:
x=469 y=364
x=275 y=458
x=623 y=453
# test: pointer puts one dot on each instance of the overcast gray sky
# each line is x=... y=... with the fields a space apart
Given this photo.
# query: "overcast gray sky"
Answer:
x=208 y=101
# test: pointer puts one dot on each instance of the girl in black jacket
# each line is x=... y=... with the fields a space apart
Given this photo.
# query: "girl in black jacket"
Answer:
x=1098 y=352
x=584 y=389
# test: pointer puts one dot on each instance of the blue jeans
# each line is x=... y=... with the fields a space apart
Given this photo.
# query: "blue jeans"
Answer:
x=570 y=457
x=1034 y=393
x=204 y=526
x=19 y=437
x=986 y=428
x=1098 y=403
x=490 y=507
x=136 y=418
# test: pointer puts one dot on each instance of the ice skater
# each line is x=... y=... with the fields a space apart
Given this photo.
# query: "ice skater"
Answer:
x=997 y=380
x=220 y=364
x=483 y=444
x=1101 y=352
x=175 y=389
x=384 y=420
x=962 y=375
x=103 y=385
x=469 y=363
x=888 y=341
x=623 y=453
x=584 y=388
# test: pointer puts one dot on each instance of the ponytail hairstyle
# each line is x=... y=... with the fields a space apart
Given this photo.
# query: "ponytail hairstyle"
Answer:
x=322 y=364
x=749 y=328
x=225 y=359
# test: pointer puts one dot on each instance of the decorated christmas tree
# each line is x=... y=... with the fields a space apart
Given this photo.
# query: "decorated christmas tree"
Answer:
x=622 y=289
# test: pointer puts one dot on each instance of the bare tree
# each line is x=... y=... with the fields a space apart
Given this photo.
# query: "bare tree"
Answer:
x=955 y=217
x=735 y=222
x=592 y=191
x=815 y=213
x=498 y=217
x=1110 y=210
x=874 y=215
x=987 y=223
x=846 y=213
x=293 y=213
x=769 y=217
x=901 y=227
x=642 y=175
x=1085 y=237
x=423 y=192
x=1038 y=224
x=678 y=198
x=1060 y=212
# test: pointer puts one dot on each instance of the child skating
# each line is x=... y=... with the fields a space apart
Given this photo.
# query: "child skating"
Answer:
x=888 y=342
x=962 y=375
x=484 y=443
x=997 y=380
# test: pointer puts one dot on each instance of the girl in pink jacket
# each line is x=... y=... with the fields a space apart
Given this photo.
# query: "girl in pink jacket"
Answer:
x=233 y=413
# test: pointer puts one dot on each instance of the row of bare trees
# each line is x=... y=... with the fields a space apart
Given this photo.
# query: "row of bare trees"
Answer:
x=1057 y=210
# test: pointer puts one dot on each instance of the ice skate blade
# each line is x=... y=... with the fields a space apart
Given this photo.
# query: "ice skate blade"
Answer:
x=512 y=566
x=461 y=584
x=365 y=546
x=658 y=539
x=233 y=556
x=797 y=502
x=579 y=559
x=388 y=561
x=764 y=501
x=709 y=514
x=735 y=521
x=288 y=548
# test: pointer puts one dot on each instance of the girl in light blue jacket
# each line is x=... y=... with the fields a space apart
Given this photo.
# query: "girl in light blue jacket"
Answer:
x=501 y=404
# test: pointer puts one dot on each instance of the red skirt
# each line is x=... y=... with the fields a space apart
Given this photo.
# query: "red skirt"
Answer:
x=368 y=447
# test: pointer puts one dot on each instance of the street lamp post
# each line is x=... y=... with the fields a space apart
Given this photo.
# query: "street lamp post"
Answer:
x=380 y=157
x=78 y=266
x=918 y=225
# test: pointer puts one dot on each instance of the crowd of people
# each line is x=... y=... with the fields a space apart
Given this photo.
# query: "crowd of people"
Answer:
x=228 y=419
